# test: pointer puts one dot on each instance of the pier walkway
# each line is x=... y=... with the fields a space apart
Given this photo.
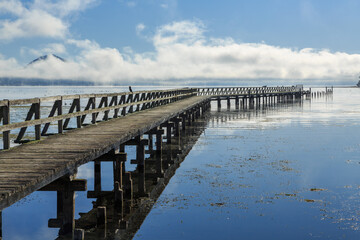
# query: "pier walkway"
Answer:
x=30 y=167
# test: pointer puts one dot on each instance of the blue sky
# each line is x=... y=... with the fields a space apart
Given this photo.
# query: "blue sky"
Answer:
x=176 y=40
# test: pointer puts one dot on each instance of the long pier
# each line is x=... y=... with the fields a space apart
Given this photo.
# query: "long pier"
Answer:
x=72 y=130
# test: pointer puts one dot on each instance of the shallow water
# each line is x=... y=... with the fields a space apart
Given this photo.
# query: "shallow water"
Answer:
x=288 y=172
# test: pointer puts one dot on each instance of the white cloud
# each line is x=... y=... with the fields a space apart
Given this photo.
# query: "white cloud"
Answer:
x=131 y=4
x=83 y=44
x=33 y=23
x=183 y=51
x=139 y=28
x=308 y=12
x=185 y=32
x=63 y=8
x=170 y=7
x=41 y=18
x=52 y=48
x=12 y=6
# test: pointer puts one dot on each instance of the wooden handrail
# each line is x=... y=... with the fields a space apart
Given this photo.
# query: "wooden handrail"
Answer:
x=220 y=91
x=13 y=126
x=76 y=96
x=124 y=101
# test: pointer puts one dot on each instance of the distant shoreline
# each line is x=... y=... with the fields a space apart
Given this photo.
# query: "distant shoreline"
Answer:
x=37 y=82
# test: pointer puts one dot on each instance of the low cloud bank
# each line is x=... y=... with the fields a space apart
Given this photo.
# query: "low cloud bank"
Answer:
x=184 y=54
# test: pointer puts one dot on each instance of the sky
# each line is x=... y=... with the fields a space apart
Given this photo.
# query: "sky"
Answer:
x=177 y=42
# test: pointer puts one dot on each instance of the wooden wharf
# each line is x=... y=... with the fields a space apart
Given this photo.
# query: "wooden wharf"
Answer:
x=86 y=131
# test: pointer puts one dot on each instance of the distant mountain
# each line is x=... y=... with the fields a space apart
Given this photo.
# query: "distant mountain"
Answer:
x=45 y=57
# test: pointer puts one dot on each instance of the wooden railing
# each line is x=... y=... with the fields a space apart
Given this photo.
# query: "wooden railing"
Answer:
x=222 y=91
x=79 y=107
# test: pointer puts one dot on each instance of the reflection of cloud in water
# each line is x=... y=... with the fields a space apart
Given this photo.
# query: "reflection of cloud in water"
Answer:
x=43 y=233
x=86 y=171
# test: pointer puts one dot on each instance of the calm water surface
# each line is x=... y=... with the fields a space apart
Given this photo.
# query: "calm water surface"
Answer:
x=285 y=172
x=289 y=172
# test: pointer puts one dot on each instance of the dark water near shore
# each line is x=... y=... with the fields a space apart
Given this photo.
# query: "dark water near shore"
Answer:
x=286 y=172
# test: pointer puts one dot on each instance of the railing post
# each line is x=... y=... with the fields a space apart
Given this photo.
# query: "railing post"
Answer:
x=5 y=112
x=0 y=225
x=59 y=111
x=37 y=116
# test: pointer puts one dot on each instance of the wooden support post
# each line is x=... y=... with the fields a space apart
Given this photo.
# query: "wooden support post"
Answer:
x=65 y=188
x=5 y=112
x=151 y=142
x=68 y=222
x=97 y=176
x=219 y=102
x=183 y=123
x=189 y=117
x=228 y=103
x=118 y=165
x=119 y=198
x=128 y=186
x=237 y=103
x=177 y=121
x=0 y=225
x=79 y=234
x=101 y=220
x=168 y=132
x=251 y=102
x=122 y=149
x=158 y=153
x=140 y=158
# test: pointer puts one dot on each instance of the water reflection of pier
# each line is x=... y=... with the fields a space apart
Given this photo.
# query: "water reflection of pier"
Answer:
x=121 y=211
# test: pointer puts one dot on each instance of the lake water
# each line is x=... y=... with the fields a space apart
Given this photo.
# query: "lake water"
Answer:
x=286 y=172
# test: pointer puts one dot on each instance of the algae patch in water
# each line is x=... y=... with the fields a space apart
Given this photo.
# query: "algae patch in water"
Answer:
x=317 y=189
